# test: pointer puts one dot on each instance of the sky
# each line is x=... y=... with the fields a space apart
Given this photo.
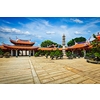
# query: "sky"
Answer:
x=39 y=29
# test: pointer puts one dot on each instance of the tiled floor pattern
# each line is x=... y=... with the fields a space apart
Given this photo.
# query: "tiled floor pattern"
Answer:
x=62 y=71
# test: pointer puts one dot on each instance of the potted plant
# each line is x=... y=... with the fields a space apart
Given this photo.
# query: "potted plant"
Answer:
x=7 y=54
x=61 y=55
x=57 y=54
x=82 y=53
x=46 y=55
x=68 y=54
x=78 y=56
x=36 y=54
x=52 y=55
x=1 y=53
x=74 y=56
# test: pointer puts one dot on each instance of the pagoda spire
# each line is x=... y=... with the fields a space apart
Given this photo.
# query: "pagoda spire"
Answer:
x=63 y=50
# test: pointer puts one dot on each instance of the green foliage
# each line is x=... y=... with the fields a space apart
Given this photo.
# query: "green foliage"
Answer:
x=7 y=54
x=74 y=56
x=37 y=54
x=48 y=42
x=71 y=42
x=1 y=52
x=68 y=54
x=82 y=53
x=97 y=54
x=45 y=51
x=88 y=54
x=94 y=36
x=80 y=39
x=52 y=54
x=96 y=47
x=57 y=53
x=40 y=51
x=47 y=54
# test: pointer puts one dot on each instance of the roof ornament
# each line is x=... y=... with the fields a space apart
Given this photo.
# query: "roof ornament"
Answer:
x=29 y=40
x=9 y=38
x=75 y=42
x=98 y=33
x=2 y=43
x=17 y=39
x=88 y=41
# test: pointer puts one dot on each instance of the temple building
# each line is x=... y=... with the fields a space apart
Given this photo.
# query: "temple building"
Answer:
x=82 y=46
x=20 y=47
x=26 y=48
x=52 y=46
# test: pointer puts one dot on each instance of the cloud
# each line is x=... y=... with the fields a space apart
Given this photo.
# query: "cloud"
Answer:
x=89 y=31
x=77 y=32
x=50 y=32
x=39 y=37
x=62 y=26
x=27 y=33
x=6 y=21
x=13 y=30
x=46 y=23
x=5 y=36
x=76 y=20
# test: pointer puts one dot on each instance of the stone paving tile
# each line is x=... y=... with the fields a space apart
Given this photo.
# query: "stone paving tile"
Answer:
x=15 y=71
x=62 y=80
x=62 y=76
x=78 y=80
x=61 y=71
x=46 y=80
x=88 y=82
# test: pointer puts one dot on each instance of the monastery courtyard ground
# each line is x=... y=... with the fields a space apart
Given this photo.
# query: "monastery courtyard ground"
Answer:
x=39 y=70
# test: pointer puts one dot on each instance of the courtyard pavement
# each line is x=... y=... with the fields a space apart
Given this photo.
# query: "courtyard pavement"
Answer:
x=41 y=70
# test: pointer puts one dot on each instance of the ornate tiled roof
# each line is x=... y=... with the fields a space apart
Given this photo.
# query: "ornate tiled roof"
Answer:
x=22 y=42
x=81 y=45
x=49 y=49
x=20 y=47
x=2 y=47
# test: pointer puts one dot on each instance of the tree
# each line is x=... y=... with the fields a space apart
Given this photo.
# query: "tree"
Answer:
x=48 y=42
x=72 y=42
x=68 y=53
x=96 y=47
x=1 y=52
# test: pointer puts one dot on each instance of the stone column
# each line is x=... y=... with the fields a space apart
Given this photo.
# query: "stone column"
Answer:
x=33 y=52
x=26 y=52
x=72 y=52
x=22 y=52
x=63 y=50
x=30 y=52
x=84 y=53
x=11 y=52
x=16 y=52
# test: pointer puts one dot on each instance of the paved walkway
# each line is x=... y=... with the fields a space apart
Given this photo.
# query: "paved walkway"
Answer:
x=39 y=70
x=15 y=71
